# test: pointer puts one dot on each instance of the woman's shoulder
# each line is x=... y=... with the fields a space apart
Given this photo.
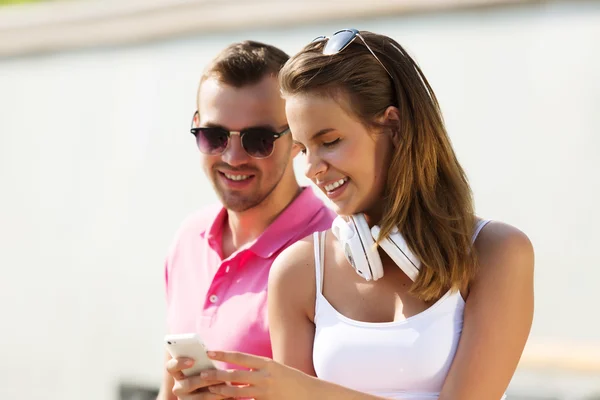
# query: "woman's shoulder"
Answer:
x=296 y=256
x=503 y=251
x=293 y=272
x=499 y=236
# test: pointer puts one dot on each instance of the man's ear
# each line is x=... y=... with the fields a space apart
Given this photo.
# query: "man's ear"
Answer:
x=296 y=148
x=391 y=119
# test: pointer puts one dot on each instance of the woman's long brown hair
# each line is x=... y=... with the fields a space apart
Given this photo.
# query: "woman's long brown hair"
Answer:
x=427 y=195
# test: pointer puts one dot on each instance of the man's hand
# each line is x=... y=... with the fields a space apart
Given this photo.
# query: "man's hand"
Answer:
x=191 y=387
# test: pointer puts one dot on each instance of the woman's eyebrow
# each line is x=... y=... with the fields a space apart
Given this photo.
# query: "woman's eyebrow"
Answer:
x=321 y=133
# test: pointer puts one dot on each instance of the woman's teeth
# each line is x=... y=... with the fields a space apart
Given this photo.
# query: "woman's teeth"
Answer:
x=332 y=186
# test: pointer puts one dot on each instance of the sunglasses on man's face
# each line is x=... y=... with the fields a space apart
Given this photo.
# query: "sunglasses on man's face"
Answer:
x=257 y=142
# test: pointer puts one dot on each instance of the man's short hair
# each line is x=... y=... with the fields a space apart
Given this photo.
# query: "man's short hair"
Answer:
x=245 y=63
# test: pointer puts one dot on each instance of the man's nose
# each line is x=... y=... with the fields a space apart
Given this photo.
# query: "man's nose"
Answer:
x=235 y=154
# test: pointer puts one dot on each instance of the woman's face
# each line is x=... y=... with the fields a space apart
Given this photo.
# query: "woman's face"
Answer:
x=345 y=159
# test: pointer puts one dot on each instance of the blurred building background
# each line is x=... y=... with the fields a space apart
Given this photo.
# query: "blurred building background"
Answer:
x=97 y=167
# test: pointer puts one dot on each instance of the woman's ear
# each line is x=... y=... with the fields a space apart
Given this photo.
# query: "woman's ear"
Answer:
x=391 y=119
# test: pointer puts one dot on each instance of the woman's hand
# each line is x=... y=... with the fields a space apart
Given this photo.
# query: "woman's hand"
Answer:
x=189 y=387
x=266 y=380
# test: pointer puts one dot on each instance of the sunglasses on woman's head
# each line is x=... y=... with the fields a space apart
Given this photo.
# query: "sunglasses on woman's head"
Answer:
x=257 y=142
x=342 y=39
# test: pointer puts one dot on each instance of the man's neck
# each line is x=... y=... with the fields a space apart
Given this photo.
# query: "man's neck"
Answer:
x=244 y=227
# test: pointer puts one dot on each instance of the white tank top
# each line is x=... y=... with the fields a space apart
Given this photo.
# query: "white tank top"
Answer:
x=406 y=359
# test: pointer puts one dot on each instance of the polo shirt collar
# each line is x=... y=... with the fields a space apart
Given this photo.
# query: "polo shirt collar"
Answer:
x=214 y=233
x=296 y=216
x=292 y=219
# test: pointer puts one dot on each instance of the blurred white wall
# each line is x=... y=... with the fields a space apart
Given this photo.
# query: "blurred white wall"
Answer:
x=97 y=169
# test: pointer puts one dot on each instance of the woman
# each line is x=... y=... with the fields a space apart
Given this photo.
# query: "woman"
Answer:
x=443 y=315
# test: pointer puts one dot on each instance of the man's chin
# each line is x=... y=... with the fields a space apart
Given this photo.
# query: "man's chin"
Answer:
x=240 y=200
x=236 y=202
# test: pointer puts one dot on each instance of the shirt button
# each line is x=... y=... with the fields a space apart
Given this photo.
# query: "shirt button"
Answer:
x=213 y=298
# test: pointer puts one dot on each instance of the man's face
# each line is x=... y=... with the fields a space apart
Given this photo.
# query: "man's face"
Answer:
x=241 y=181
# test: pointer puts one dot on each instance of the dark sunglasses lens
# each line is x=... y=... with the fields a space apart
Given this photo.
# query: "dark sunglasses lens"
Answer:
x=338 y=41
x=212 y=140
x=259 y=143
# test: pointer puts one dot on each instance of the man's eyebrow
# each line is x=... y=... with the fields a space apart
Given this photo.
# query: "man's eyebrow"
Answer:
x=263 y=126
x=212 y=125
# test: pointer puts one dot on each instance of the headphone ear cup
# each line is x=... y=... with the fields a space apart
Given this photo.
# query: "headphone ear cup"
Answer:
x=367 y=246
x=352 y=235
x=347 y=236
x=397 y=248
x=340 y=228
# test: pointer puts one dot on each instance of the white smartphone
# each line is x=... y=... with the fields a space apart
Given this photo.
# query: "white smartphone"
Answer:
x=189 y=345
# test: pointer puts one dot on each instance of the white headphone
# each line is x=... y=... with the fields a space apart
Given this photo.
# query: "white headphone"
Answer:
x=358 y=242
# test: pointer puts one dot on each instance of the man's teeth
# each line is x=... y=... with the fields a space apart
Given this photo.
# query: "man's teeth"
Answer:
x=237 y=177
x=335 y=185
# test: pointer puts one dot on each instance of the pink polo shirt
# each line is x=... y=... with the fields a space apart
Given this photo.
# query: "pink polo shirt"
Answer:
x=225 y=300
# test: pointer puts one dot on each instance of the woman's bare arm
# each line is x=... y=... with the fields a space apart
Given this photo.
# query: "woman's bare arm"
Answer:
x=498 y=317
x=291 y=299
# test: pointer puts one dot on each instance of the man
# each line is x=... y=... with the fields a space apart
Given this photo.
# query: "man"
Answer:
x=218 y=266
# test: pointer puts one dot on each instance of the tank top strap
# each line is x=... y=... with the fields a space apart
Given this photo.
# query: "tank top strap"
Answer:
x=319 y=253
x=478 y=227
